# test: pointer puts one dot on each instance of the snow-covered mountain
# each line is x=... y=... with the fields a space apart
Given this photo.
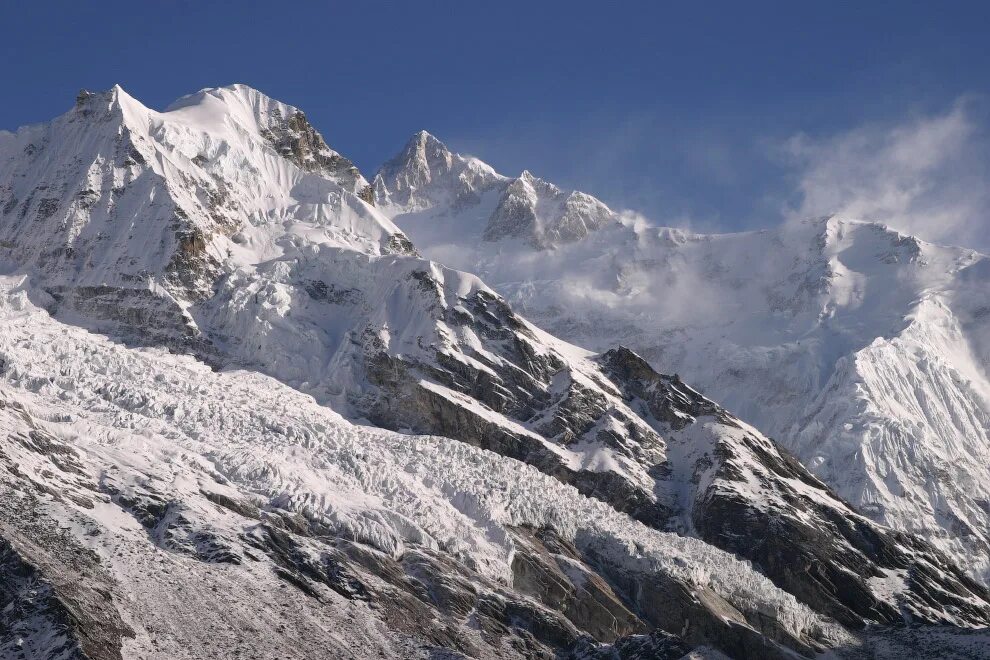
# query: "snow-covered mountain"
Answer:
x=427 y=176
x=156 y=508
x=863 y=351
x=205 y=311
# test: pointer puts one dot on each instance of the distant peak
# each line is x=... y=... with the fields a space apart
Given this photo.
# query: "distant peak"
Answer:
x=423 y=154
x=426 y=163
x=423 y=136
x=530 y=181
x=422 y=142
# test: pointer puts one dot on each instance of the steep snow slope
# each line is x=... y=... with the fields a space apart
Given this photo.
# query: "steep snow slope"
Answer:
x=863 y=351
x=217 y=514
x=221 y=229
x=132 y=214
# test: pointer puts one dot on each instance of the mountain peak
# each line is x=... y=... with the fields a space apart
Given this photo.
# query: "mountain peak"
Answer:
x=218 y=163
x=834 y=234
x=426 y=154
x=284 y=127
x=424 y=162
x=106 y=104
x=426 y=173
x=546 y=216
x=423 y=139
x=227 y=94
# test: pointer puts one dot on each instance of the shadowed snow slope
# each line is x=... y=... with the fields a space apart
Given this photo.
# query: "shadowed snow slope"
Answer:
x=863 y=351
x=226 y=229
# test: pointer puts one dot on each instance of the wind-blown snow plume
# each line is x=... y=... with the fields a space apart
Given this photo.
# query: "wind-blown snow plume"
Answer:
x=927 y=176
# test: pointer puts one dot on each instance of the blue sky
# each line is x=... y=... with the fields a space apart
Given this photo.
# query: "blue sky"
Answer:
x=712 y=115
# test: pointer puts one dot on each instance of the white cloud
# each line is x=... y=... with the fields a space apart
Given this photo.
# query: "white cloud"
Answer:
x=927 y=176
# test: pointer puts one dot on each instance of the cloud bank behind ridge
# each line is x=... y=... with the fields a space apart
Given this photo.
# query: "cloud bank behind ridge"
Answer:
x=926 y=176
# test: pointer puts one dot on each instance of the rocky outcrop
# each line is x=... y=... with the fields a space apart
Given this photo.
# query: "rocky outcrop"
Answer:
x=551 y=570
x=294 y=138
x=667 y=399
x=798 y=533
x=56 y=601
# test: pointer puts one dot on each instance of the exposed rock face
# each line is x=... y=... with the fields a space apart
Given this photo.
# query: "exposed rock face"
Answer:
x=667 y=398
x=811 y=545
x=30 y=610
x=57 y=602
x=551 y=570
x=294 y=138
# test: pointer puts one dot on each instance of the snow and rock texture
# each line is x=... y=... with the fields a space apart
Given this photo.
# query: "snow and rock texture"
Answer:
x=155 y=508
x=427 y=176
x=225 y=228
x=863 y=351
x=131 y=215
